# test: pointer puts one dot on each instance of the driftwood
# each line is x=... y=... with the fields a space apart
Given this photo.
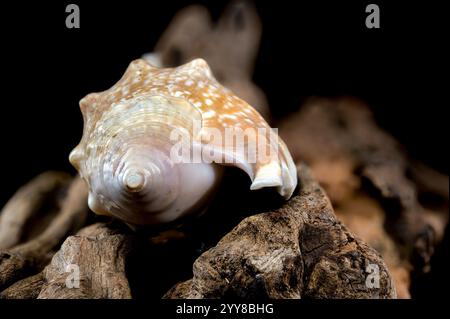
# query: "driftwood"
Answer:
x=26 y=203
x=297 y=250
x=230 y=47
x=99 y=255
x=28 y=288
x=30 y=257
x=377 y=191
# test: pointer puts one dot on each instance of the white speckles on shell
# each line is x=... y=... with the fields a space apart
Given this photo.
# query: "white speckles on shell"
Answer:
x=201 y=84
x=208 y=114
x=141 y=108
x=228 y=116
x=125 y=90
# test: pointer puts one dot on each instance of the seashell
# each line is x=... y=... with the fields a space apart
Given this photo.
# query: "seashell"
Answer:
x=131 y=161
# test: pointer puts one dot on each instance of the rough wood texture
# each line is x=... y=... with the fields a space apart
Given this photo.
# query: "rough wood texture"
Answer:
x=99 y=253
x=28 y=288
x=25 y=204
x=230 y=47
x=297 y=251
x=30 y=257
x=377 y=191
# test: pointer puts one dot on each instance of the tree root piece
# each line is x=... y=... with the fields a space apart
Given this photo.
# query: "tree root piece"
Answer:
x=28 y=288
x=97 y=254
x=397 y=205
x=297 y=251
x=30 y=257
x=25 y=203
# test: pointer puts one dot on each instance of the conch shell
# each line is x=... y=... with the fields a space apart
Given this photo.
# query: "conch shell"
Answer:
x=126 y=154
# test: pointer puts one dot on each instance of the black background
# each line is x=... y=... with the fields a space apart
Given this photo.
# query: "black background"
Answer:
x=308 y=48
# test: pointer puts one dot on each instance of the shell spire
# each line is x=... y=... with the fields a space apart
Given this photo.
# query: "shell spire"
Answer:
x=126 y=154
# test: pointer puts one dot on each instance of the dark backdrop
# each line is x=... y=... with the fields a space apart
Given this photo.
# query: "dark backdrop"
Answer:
x=308 y=48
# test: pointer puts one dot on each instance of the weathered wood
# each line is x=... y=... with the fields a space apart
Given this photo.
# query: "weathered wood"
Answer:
x=28 y=288
x=30 y=257
x=297 y=251
x=25 y=203
x=99 y=254
x=374 y=186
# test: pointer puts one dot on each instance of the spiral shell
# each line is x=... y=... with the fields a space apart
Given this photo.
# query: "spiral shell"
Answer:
x=126 y=154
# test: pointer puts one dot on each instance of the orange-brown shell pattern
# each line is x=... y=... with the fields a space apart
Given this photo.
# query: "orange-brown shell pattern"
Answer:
x=219 y=108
